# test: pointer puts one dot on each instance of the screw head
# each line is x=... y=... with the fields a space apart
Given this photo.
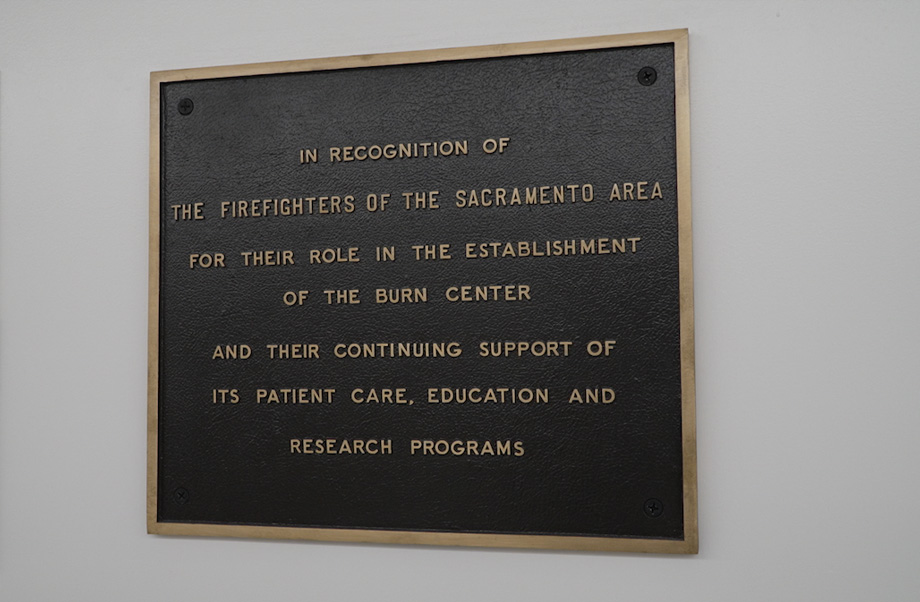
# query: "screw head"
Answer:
x=186 y=106
x=647 y=76
x=653 y=508
x=181 y=495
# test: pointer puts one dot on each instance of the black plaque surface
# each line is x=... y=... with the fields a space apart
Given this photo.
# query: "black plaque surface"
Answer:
x=344 y=249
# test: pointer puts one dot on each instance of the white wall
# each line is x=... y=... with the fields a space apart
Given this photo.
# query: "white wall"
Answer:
x=805 y=124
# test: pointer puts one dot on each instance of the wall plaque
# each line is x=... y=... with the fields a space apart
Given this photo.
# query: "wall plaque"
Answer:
x=438 y=297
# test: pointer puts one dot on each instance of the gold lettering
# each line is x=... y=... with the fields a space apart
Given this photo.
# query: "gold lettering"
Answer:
x=308 y=155
x=267 y=258
x=342 y=297
x=206 y=260
x=493 y=292
x=597 y=396
x=231 y=352
x=188 y=211
x=334 y=255
x=460 y=447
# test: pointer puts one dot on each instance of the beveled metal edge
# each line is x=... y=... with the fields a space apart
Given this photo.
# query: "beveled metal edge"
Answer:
x=153 y=307
x=688 y=545
x=685 y=258
x=421 y=56
x=439 y=538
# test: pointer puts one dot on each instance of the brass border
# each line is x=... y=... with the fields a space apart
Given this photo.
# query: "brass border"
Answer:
x=690 y=543
x=153 y=307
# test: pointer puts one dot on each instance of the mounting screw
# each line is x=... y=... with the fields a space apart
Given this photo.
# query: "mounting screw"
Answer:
x=181 y=495
x=653 y=508
x=647 y=76
x=186 y=106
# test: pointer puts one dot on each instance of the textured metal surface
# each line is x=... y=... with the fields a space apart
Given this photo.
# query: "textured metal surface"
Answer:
x=572 y=118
